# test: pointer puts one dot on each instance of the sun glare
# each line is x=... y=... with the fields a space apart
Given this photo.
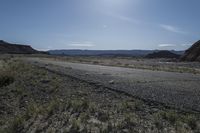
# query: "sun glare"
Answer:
x=116 y=5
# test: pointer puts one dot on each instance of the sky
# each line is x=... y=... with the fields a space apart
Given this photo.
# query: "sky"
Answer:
x=101 y=24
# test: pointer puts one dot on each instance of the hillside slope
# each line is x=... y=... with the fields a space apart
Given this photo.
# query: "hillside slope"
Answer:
x=193 y=53
x=9 y=48
x=163 y=54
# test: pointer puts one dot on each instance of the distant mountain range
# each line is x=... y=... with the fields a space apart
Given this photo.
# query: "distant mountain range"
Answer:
x=135 y=53
x=8 y=48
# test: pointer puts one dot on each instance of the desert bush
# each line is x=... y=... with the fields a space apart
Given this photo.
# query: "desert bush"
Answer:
x=191 y=120
x=79 y=105
x=127 y=105
x=75 y=126
x=138 y=105
x=170 y=116
x=32 y=110
x=84 y=117
x=6 y=78
x=95 y=62
x=16 y=125
x=131 y=105
x=109 y=128
x=8 y=72
x=157 y=121
x=53 y=106
x=102 y=116
x=129 y=121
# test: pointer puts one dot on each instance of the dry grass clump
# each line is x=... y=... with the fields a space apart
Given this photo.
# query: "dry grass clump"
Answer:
x=182 y=122
x=6 y=78
x=6 y=75
x=16 y=125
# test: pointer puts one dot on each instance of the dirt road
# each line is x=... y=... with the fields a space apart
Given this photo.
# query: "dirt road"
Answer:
x=179 y=90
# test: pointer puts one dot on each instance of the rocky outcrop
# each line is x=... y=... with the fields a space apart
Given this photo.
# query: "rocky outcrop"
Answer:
x=163 y=54
x=193 y=53
x=8 y=48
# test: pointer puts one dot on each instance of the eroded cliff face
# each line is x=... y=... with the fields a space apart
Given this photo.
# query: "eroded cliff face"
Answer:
x=193 y=53
x=9 y=48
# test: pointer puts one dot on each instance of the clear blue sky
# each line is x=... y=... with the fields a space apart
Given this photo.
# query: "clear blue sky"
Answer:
x=101 y=24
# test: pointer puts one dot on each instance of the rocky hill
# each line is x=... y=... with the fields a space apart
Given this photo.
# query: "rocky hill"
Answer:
x=163 y=54
x=8 y=48
x=193 y=53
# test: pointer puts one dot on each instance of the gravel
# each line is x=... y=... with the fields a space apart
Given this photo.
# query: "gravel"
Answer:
x=177 y=90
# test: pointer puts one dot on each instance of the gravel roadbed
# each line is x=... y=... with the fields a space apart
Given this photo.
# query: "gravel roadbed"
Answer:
x=176 y=90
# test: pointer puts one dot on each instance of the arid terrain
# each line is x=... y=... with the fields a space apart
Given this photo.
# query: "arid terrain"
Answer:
x=170 y=88
x=160 y=64
x=55 y=95
x=99 y=66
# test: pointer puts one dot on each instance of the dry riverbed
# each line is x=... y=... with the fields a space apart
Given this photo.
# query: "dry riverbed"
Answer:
x=33 y=99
